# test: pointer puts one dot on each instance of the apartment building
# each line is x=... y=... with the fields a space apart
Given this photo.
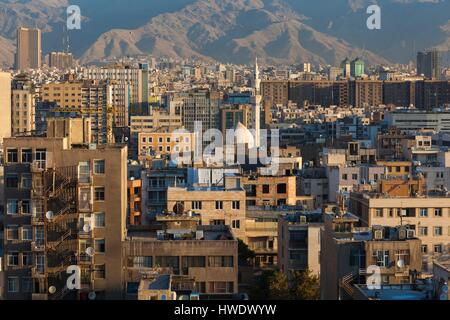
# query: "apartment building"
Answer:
x=65 y=205
x=204 y=258
x=166 y=143
x=215 y=205
x=406 y=202
x=299 y=242
x=5 y=105
x=270 y=190
x=60 y=60
x=22 y=106
x=347 y=251
x=365 y=93
x=277 y=91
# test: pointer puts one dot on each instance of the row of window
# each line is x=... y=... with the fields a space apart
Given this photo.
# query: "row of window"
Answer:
x=168 y=139
x=198 y=205
x=26 y=155
x=251 y=189
x=437 y=231
x=169 y=149
x=186 y=261
x=411 y=212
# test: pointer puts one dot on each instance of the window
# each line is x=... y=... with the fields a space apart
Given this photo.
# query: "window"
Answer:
x=192 y=262
x=344 y=177
x=438 y=248
x=281 y=188
x=27 y=156
x=27 y=285
x=381 y=258
x=379 y=213
x=99 y=271
x=266 y=188
x=99 y=194
x=196 y=205
x=140 y=262
x=12 y=233
x=169 y=262
x=424 y=248
x=27 y=233
x=236 y=224
x=12 y=181
x=13 y=284
x=26 y=181
x=25 y=207
x=99 y=220
x=423 y=212
x=27 y=259
x=13 y=259
x=354 y=176
x=221 y=287
x=391 y=213
x=438 y=212
x=11 y=156
x=236 y=205
x=41 y=158
x=99 y=166
x=84 y=172
x=438 y=231
x=423 y=231
x=12 y=206
x=220 y=261
x=219 y=205
x=99 y=245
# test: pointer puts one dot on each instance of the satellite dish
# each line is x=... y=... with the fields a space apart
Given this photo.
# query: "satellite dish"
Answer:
x=52 y=289
x=92 y=295
x=90 y=251
x=86 y=228
x=401 y=263
x=49 y=215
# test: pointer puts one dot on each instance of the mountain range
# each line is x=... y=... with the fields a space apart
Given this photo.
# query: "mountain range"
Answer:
x=277 y=31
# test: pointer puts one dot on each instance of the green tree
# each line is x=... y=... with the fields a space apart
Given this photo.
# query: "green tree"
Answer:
x=305 y=286
x=279 y=287
x=245 y=254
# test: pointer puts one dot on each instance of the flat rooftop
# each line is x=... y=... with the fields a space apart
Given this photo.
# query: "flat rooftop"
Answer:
x=397 y=292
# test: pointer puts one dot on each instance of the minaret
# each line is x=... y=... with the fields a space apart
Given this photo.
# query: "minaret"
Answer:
x=257 y=106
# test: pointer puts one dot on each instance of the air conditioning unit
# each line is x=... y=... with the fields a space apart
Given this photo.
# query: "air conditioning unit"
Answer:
x=378 y=235
x=411 y=234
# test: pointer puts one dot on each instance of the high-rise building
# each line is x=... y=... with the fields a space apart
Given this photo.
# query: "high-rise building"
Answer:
x=5 y=105
x=346 y=68
x=22 y=106
x=357 y=68
x=60 y=60
x=428 y=64
x=29 y=49
x=65 y=205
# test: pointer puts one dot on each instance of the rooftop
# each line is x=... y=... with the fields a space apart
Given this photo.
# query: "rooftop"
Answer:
x=422 y=291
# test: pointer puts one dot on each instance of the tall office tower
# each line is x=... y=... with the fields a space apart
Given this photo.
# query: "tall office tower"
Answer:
x=66 y=205
x=357 y=68
x=136 y=77
x=257 y=106
x=22 y=105
x=5 y=105
x=428 y=64
x=29 y=49
x=198 y=106
x=60 y=60
x=346 y=68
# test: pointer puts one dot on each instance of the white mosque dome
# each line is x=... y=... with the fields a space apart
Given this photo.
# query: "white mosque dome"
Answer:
x=244 y=136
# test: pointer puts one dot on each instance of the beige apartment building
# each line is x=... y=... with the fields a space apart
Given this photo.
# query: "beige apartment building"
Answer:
x=299 y=243
x=429 y=217
x=270 y=190
x=5 y=105
x=22 y=109
x=199 y=258
x=29 y=50
x=347 y=251
x=65 y=205
x=163 y=142
x=215 y=205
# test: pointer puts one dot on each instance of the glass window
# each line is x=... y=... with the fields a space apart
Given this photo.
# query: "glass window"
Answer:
x=381 y=258
x=281 y=188
x=236 y=224
x=423 y=212
x=27 y=156
x=438 y=231
x=140 y=262
x=26 y=181
x=25 y=207
x=99 y=166
x=100 y=220
x=27 y=285
x=11 y=156
x=12 y=233
x=99 y=194
x=12 y=206
x=84 y=172
x=13 y=284
x=196 y=205
x=99 y=245
x=220 y=261
x=266 y=188
x=236 y=205
x=27 y=233
x=12 y=180
x=99 y=271
x=13 y=259
x=27 y=259
x=219 y=205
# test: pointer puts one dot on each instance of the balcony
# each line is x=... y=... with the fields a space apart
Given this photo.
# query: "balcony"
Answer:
x=84 y=259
